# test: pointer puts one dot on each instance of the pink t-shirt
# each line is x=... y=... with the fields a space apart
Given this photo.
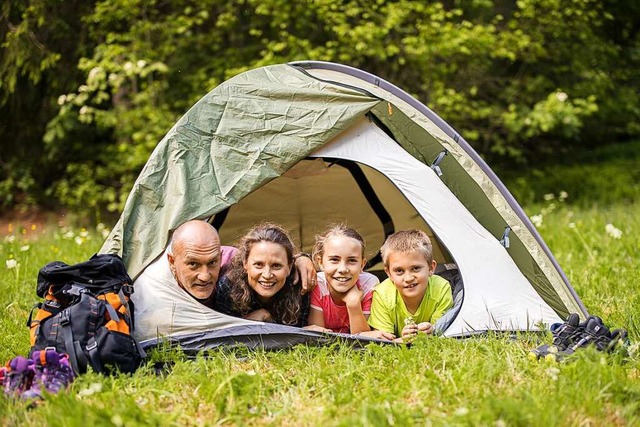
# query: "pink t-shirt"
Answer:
x=336 y=317
x=226 y=253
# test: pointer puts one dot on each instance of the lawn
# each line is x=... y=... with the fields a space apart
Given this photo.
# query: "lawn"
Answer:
x=439 y=381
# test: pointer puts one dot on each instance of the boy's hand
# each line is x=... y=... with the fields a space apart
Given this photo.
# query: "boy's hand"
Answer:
x=426 y=327
x=353 y=297
x=409 y=332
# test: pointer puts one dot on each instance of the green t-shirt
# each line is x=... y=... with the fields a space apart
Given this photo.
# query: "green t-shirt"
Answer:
x=388 y=309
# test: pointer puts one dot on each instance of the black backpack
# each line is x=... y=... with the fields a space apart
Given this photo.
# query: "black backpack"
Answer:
x=87 y=314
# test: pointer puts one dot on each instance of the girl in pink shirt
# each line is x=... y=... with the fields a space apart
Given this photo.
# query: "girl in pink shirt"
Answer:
x=341 y=301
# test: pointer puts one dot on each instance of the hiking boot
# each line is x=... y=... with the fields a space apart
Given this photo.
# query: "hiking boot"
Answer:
x=568 y=332
x=52 y=373
x=564 y=335
x=18 y=376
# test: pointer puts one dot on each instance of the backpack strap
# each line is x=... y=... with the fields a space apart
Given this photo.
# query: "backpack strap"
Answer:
x=65 y=325
x=93 y=355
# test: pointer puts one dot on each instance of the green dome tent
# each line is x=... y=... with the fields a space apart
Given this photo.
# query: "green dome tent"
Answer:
x=309 y=143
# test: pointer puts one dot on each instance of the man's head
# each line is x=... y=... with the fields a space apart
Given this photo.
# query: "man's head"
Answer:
x=408 y=261
x=194 y=258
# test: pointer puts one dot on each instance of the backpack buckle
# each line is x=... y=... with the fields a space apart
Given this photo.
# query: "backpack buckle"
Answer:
x=64 y=317
x=92 y=344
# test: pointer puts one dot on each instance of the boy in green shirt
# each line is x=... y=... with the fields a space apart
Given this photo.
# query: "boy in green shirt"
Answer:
x=412 y=291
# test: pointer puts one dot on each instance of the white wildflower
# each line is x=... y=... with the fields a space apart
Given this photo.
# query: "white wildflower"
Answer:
x=62 y=99
x=561 y=96
x=83 y=88
x=84 y=232
x=68 y=235
x=11 y=264
x=553 y=372
x=105 y=233
x=128 y=66
x=549 y=197
x=100 y=226
x=141 y=63
x=563 y=195
x=79 y=240
x=24 y=248
x=462 y=411
x=537 y=220
x=92 y=389
x=572 y=225
x=613 y=231
x=10 y=238
x=84 y=110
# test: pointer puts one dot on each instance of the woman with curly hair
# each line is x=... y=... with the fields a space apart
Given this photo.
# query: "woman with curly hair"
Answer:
x=258 y=285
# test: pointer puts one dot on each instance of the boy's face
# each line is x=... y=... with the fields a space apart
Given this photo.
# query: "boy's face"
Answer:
x=410 y=272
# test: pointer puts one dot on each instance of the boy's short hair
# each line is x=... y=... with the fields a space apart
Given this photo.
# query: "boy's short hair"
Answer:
x=407 y=241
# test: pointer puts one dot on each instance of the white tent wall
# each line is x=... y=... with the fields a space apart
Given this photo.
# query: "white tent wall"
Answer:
x=424 y=135
x=497 y=295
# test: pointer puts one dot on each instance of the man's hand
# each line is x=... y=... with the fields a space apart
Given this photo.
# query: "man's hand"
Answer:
x=381 y=335
x=261 y=315
x=305 y=274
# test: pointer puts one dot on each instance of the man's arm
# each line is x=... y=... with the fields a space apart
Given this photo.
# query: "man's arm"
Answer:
x=305 y=272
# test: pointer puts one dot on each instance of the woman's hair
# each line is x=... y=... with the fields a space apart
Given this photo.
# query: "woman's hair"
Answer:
x=286 y=304
x=334 y=230
x=407 y=241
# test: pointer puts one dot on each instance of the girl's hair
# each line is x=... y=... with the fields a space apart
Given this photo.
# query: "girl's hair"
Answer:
x=285 y=306
x=407 y=241
x=334 y=230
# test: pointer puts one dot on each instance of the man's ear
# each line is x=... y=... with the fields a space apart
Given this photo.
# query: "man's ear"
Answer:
x=172 y=260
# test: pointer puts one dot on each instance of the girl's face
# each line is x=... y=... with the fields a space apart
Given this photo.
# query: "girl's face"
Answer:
x=342 y=262
x=267 y=269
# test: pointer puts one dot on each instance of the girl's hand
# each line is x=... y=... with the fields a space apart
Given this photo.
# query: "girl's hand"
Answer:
x=316 y=328
x=353 y=297
x=426 y=327
x=260 y=315
x=381 y=335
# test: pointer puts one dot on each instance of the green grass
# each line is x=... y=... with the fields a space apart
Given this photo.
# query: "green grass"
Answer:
x=480 y=381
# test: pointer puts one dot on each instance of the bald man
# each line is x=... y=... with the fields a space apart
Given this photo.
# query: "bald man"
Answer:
x=195 y=257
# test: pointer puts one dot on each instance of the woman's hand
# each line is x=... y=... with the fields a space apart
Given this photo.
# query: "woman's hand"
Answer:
x=260 y=315
x=305 y=274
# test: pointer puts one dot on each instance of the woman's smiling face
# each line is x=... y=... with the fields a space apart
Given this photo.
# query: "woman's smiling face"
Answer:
x=267 y=269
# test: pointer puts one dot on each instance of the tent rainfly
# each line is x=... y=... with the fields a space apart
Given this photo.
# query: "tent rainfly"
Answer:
x=306 y=144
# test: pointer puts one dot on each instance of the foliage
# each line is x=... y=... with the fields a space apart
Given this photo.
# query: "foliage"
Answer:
x=478 y=381
x=602 y=176
x=89 y=88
